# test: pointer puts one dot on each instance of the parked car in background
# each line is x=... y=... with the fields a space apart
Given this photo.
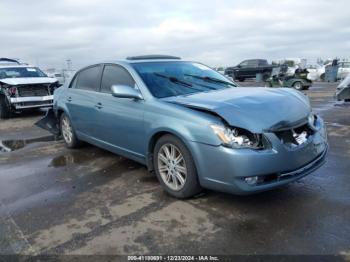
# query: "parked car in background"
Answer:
x=220 y=69
x=292 y=64
x=343 y=90
x=344 y=69
x=59 y=76
x=249 y=69
x=23 y=87
x=191 y=125
x=316 y=72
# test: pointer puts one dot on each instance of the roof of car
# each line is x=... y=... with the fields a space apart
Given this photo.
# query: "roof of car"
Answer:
x=153 y=57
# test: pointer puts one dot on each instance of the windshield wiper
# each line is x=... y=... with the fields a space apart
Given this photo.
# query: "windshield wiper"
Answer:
x=211 y=79
x=174 y=80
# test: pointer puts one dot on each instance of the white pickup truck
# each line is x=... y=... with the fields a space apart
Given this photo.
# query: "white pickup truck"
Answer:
x=23 y=87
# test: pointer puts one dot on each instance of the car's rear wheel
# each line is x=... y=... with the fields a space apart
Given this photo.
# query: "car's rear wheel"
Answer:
x=4 y=109
x=68 y=133
x=298 y=85
x=175 y=168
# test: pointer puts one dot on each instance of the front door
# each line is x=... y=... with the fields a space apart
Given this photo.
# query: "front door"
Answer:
x=120 y=120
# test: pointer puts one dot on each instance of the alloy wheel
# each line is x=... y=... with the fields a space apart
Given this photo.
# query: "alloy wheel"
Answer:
x=67 y=131
x=172 y=167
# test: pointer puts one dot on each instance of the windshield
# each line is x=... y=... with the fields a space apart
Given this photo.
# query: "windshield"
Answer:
x=165 y=79
x=16 y=72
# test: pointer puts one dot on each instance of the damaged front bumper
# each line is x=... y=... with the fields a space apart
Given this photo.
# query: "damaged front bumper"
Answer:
x=226 y=169
x=31 y=102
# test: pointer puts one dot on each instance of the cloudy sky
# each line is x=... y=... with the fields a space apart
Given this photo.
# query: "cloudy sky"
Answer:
x=214 y=32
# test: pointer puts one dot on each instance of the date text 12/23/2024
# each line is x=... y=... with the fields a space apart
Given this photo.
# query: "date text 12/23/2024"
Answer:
x=173 y=258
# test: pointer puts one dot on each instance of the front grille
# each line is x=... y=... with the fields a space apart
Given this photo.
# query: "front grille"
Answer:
x=33 y=90
x=295 y=136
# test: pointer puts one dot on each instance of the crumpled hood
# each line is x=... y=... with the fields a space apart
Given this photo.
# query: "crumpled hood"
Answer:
x=255 y=109
x=28 y=80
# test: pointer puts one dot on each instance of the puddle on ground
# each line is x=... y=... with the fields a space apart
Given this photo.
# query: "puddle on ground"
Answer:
x=12 y=145
x=75 y=157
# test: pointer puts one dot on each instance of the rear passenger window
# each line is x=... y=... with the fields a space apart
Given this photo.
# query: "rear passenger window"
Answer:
x=115 y=75
x=89 y=79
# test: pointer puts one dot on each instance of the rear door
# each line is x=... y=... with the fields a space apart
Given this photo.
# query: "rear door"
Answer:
x=81 y=99
x=120 y=122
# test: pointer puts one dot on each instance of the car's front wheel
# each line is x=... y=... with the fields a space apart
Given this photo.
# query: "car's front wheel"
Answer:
x=68 y=133
x=175 y=168
x=298 y=85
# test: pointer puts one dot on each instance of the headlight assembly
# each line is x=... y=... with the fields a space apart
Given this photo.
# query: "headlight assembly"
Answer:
x=237 y=138
x=312 y=121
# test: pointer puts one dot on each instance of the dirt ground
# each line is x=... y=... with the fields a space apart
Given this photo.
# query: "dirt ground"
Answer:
x=89 y=201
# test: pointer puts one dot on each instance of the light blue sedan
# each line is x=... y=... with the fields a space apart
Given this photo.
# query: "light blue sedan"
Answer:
x=191 y=125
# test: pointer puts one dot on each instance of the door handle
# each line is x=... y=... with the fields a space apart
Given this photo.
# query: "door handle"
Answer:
x=98 y=105
x=69 y=99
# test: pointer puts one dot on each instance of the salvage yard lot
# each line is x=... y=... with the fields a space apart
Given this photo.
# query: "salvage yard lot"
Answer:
x=89 y=201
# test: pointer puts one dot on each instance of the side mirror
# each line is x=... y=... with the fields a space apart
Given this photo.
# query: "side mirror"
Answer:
x=123 y=91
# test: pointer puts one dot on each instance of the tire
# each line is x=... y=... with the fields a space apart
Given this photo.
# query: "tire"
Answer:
x=5 y=111
x=68 y=132
x=298 y=85
x=241 y=79
x=180 y=184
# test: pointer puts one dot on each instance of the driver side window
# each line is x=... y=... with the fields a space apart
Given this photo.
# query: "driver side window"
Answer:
x=115 y=75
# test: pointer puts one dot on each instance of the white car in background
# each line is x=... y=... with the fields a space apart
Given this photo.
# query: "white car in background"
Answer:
x=24 y=87
x=343 y=90
x=59 y=76
x=292 y=63
x=316 y=72
x=220 y=70
x=344 y=69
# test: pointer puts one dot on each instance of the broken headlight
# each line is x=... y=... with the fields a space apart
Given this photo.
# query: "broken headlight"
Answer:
x=237 y=137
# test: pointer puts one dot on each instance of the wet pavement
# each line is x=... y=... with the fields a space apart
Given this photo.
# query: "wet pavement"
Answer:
x=88 y=201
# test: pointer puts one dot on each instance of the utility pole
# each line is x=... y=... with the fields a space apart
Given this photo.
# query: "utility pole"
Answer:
x=69 y=64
